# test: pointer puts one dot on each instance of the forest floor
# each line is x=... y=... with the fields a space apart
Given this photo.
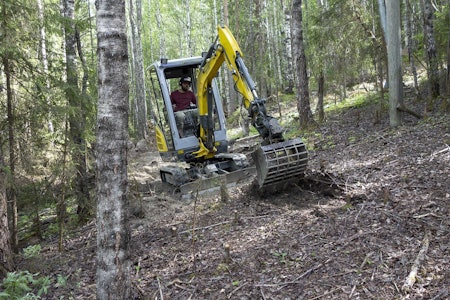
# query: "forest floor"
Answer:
x=370 y=220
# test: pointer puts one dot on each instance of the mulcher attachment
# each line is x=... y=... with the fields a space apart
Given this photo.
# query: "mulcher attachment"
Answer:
x=279 y=162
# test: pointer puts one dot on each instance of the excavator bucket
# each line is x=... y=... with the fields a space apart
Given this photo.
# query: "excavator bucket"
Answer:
x=280 y=162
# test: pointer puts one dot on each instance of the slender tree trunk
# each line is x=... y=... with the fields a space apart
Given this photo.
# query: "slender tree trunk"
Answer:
x=113 y=233
x=226 y=75
x=77 y=115
x=288 y=69
x=231 y=96
x=140 y=103
x=188 y=28
x=320 y=96
x=161 y=31
x=11 y=190
x=410 y=45
x=448 y=55
x=274 y=37
x=44 y=59
x=379 y=65
x=261 y=50
x=10 y=186
x=430 y=43
x=394 y=61
x=302 y=81
x=6 y=255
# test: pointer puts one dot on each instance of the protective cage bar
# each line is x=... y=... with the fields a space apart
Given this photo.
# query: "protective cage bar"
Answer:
x=280 y=162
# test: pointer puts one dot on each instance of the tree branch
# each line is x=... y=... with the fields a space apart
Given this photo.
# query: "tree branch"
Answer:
x=411 y=279
x=403 y=108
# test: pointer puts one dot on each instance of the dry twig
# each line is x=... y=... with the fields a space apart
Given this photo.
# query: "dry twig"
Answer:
x=205 y=227
x=160 y=289
x=236 y=289
x=325 y=294
x=411 y=279
x=447 y=149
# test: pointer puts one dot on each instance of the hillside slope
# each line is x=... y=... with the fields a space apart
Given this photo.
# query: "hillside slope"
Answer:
x=372 y=209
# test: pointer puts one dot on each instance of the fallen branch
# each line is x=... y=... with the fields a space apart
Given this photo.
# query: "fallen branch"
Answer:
x=205 y=227
x=325 y=294
x=403 y=108
x=140 y=290
x=411 y=279
x=296 y=280
x=441 y=295
x=447 y=149
x=236 y=289
x=160 y=288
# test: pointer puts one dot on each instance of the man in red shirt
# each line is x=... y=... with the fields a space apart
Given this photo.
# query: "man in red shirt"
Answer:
x=183 y=99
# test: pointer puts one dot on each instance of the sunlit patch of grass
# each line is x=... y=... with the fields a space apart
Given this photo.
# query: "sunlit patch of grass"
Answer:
x=287 y=98
x=355 y=101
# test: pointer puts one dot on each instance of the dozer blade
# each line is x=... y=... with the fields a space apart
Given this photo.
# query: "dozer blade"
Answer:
x=279 y=162
x=212 y=184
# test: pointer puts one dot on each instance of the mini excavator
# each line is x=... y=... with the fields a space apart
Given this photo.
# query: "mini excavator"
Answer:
x=203 y=146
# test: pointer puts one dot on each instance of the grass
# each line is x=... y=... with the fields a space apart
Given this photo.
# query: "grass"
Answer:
x=289 y=118
x=357 y=100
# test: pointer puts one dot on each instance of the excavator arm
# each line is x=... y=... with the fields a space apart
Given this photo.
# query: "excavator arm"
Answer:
x=226 y=49
x=276 y=160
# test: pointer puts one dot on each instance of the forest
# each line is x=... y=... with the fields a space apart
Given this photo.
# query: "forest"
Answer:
x=83 y=211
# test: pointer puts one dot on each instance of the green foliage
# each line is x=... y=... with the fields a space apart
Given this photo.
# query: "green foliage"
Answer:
x=24 y=286
x=441 y=27
x=32 y=251
x=356 y=101
x=61 y=281
x=281 y=255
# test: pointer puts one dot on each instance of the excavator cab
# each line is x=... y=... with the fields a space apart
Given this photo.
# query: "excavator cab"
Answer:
x=172 y=144
x=164 y=76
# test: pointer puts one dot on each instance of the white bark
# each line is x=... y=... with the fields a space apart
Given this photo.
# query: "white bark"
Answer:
x=44 y=60
x=113 y=236
x=394 y=61
x=6 y=255
x=288 y=68
x=300 y=66
x=140 y=104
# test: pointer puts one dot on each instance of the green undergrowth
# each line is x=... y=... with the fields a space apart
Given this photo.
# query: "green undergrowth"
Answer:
x=289 y=118
x=358 y=100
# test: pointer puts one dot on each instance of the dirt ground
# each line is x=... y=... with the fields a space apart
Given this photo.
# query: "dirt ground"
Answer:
x=370 y=220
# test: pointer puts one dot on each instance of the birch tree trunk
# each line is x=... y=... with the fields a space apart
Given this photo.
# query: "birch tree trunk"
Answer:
x=288 y=70
x=320 y=96
x=230 y=93
x=113 y=234
x=410 y=44
x=276 y=43
x=300 y=67
x=394 y=61
x=448 y=56
x=161 y=31
x=6 y=255
x=188 y=28
x=140 y=103
x=44 y=59
x=11 y=186
x=261 y=50
x=76 y=115
x=430 y=44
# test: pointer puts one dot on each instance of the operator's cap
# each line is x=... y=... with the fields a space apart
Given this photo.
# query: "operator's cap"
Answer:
x=186 y=79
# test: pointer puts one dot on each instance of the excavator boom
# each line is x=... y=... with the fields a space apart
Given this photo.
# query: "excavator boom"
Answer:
x=276 y=160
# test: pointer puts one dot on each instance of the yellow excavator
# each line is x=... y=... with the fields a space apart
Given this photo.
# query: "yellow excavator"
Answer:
x=203 y=147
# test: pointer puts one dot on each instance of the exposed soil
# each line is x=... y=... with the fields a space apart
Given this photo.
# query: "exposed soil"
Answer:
x=372 y=208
